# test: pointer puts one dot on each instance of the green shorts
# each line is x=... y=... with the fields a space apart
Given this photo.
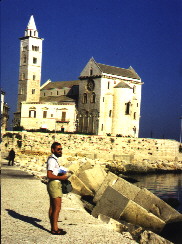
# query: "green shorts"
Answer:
x=54 y=189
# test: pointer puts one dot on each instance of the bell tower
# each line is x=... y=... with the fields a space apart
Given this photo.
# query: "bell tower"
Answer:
x=30 y=65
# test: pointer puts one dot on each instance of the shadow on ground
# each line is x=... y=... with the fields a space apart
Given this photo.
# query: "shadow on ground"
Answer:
x=27 y=219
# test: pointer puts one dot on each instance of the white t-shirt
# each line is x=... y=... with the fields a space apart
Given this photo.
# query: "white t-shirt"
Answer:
x=52 y=164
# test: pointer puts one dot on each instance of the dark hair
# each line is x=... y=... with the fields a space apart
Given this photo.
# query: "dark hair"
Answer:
x=55 y=144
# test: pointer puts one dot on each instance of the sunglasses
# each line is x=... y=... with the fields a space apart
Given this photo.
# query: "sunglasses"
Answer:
x=59 y=149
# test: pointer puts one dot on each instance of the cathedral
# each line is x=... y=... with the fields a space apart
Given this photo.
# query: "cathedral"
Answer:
x=104 y=100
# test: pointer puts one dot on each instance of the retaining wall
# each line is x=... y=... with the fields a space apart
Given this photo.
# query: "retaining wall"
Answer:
x=102 y=147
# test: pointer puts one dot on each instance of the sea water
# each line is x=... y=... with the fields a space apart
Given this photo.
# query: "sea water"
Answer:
x=166 y=186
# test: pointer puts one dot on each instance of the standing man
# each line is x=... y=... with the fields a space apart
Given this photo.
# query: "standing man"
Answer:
x=54 y=187
x=11 y=157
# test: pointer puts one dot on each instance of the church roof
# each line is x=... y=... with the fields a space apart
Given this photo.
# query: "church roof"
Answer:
x=130 y=73
x=122 y=84
x=56 y=99
x=60 y=84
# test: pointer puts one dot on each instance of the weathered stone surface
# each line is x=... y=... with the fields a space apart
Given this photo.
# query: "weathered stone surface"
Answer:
x=127 y=189
x=110 y=179
x=148 y=237
x=155 y=205
x=84 y=166
x=137 y=215
x=114 y=224
x=93 y=178
x=79 y=187
x=113 y=204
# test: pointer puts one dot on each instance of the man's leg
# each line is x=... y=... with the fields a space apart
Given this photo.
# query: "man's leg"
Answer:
x=55 y=207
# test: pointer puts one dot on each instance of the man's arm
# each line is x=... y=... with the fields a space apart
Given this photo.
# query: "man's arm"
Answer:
x=56 y=177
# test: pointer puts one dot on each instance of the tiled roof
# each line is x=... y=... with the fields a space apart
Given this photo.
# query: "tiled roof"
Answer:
x=122 y=84
x=130 y=73
x=60 y=84
x=56 y=99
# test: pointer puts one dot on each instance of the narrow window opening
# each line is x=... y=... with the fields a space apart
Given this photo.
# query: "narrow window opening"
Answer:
x=108 y=85
x=92 y=99
x=33 y=91
x=134 y=115
x=128 y=108
x=44 y=114
x=84 y=98
x=63 y=117
x=34 y=60
x=102 y=127
x=110 y=113
x=134 y=89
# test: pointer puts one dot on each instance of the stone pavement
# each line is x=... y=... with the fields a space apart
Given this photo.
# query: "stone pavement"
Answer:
x=24 y=214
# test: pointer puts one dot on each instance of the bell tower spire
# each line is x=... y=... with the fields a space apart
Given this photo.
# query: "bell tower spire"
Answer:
x=31 y=29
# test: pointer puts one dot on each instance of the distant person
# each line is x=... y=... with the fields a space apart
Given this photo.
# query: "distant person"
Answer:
x=11 y=157
x=54 y=187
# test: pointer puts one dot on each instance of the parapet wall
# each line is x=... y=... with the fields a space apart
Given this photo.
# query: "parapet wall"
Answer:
x=101 y=147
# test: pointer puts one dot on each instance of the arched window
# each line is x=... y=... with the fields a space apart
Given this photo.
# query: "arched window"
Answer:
x=84 y=98
x=92 y=98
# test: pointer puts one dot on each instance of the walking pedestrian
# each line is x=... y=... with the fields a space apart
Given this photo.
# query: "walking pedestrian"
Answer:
x=54 y=187
x=11 y=157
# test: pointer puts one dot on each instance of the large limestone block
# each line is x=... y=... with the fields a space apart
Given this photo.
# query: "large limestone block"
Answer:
x=79 y=187
x=115 y=205
x=125 y=188
x=137 y=215
x=93 y=178
x=111 y=204
x=84 y=166
x=110 y=179
x=155 y=205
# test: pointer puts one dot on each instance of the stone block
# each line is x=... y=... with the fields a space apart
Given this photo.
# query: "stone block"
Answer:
x=137 y=215
x=113 y=224
x=155 y=205
x=126 y=188
x=111 y=204
x=84 y=166
x=115 y=205
x=79 y=187
x=93 y=178
x=110 y=179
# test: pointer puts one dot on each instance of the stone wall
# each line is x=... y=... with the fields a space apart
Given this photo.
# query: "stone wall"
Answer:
x=101 y=147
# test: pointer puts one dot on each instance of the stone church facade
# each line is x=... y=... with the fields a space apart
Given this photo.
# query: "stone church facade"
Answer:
x=105 y=99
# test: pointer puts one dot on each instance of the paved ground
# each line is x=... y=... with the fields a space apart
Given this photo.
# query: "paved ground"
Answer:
x=24 y=208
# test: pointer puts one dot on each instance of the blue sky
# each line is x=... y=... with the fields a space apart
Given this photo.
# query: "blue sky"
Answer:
x=146 y=35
